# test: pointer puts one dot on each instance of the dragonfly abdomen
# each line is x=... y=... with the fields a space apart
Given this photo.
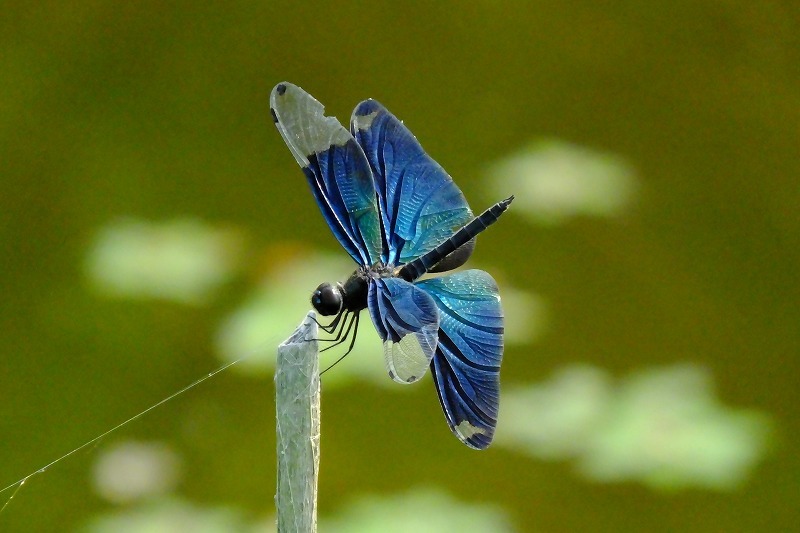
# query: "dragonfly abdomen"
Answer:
x=424 y=263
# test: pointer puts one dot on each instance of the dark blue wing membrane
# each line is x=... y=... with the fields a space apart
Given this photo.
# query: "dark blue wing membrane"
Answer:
x=420 y=204
x=336 y=169
x=466 y=366
x=338 y=177
x=407 y=322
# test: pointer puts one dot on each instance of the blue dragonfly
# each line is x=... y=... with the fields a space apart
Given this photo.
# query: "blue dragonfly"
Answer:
x=400 y=215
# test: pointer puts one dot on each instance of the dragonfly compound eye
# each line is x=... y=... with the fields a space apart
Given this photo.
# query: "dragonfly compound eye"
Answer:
x=327 y=299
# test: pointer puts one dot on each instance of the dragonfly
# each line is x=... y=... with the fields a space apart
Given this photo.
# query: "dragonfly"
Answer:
x=400 y=216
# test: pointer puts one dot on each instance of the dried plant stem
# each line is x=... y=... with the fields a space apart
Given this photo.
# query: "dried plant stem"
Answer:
x=297 y=406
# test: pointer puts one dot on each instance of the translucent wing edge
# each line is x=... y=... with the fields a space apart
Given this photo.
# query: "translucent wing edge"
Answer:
x=301 y=120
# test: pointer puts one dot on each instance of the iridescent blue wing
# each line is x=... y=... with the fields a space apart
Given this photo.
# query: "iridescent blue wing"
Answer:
x=407 y=321
x=420 y=205
x=336 y=168
x=466 y=367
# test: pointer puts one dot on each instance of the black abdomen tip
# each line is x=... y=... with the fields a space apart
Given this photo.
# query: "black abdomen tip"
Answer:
x=280 y=89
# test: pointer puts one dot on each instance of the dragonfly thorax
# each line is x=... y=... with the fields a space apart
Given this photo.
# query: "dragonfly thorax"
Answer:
x=330 y=299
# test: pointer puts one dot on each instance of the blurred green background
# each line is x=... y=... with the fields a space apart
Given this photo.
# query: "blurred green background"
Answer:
x=154 y=225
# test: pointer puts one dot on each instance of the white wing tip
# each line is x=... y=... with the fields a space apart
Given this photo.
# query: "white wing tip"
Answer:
x=465 y=430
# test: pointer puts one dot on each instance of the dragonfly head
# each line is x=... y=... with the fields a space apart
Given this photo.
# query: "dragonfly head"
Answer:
x=327 y=299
